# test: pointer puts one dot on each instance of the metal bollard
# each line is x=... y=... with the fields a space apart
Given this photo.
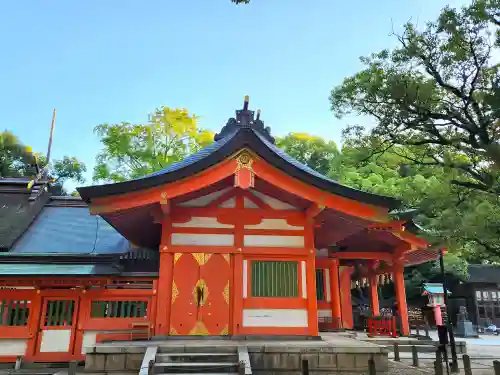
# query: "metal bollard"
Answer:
x=396 y=352
x=414 y=355
x=418 y=329
x=305 y=367
x=438 y=368
x=19 y=363
x=467 y=364
x=496 y=367
x=73 y=366
x=241 y=368
x=371 y=366
x=151 y=367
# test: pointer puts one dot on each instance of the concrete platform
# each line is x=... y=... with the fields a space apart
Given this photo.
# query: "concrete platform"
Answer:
x=330 y=353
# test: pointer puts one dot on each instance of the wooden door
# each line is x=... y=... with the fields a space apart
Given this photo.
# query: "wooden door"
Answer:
x=200 y=294
x=184 y=311
x=57 y=329
x=215 y=273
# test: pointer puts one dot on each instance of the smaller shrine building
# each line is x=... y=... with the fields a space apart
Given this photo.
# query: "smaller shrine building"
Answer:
x=237 y=239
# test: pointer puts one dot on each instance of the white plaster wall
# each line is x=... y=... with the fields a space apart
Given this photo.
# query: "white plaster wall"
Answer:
x=327 y=285
x=324 y=313
x=303 y=275
x=202 y=239
x=205 y=199
x=245 y=278
x=247 y=203
x=275 y=318
x=273 y=202
x=273 y=241
x=202 y=222
x=13 y=347
x=89 y=340
x=55 y=341
x=274 y=224
x=230 y=203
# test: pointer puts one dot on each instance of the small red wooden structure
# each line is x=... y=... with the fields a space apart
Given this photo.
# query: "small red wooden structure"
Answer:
x=238 y=239
x=382 y=326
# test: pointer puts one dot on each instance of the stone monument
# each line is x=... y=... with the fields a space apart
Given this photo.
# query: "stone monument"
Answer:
x=464 y=325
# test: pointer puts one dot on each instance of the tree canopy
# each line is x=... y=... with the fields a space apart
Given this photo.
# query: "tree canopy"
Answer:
x=17 y=160
x=436 y=93
x=313 y=151
x=135 y=150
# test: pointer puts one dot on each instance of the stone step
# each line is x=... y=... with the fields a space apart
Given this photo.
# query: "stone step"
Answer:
x=196 y=367
x=200 y=373
x=196 y=354
x=196 y=357
x=196 y=364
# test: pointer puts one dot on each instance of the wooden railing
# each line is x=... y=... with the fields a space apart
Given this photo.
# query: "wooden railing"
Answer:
x=382 y=326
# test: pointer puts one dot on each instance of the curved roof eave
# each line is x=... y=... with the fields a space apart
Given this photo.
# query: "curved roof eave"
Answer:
x=227 y=146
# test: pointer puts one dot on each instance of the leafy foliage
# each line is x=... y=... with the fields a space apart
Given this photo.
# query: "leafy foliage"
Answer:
x=17 y=160
x=14 y=156
x=135 y=150
x=438 y=94
x=312 y=151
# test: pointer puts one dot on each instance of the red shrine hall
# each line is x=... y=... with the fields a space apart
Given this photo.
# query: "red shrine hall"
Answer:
x=237 y=239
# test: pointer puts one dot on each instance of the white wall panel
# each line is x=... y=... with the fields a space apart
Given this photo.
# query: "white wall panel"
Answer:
x=55 y=341
x=202 y=222
x=273 y=241
x=273 y=202
x=274 y=224
x=245 y=278
x=202 y=239
x=247 y=203
x=324 y=313
x=230 y=203
x=89 y=340
x=13 y=347
x=205 y=199
x=303 y=278
x=275 y=318
x=328 y=296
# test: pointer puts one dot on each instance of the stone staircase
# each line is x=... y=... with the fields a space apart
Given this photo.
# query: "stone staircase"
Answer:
x=196 y=361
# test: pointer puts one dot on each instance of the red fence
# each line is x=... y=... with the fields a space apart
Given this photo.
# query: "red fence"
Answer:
x=382 y=326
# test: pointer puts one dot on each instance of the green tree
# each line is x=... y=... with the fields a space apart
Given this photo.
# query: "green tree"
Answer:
x=17 y=160
x=310 y=150
x=135 y=150
x=14 y=156
x=437 y=93
x=63 y=170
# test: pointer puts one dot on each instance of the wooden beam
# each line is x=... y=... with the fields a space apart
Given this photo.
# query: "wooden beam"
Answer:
x=391 y=226
x=129 y=200
x=361 y=255
x=314 y=210
x=336 y=202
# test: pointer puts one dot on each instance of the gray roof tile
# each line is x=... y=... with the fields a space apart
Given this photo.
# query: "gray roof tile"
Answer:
x=70 y=230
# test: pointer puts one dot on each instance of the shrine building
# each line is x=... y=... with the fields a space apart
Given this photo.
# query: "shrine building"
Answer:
x=238 y=239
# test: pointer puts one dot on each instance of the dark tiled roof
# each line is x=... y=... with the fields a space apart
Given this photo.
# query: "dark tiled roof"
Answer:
x=235 y=136
x=30 y=269
x=484 y=273
x=17 y=211
x=70 y=230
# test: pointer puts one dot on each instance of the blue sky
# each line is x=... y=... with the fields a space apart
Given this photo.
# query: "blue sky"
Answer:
x=116 y=60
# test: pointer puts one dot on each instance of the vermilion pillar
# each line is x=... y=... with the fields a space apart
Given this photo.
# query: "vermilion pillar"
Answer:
x=335 y=291
x=374 y=302
x=165 y=276
x=399 y=285
x=312 y=303
x=345 y=297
